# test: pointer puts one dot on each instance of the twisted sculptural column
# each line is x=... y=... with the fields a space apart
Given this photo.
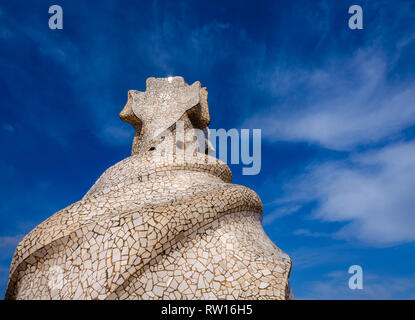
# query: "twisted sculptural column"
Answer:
x=164 y=223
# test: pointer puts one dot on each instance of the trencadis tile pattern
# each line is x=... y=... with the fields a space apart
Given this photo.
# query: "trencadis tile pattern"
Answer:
x=165 y=223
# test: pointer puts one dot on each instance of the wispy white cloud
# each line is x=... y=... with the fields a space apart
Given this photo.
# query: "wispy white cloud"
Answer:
x=345 y=104
x=348 y=102
x=118 y=134
x=279 y=212
x=310 y=257
x=308 y=233
x=371 y=192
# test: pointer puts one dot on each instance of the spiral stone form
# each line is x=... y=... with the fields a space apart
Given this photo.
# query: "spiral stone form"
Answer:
x=156 y=225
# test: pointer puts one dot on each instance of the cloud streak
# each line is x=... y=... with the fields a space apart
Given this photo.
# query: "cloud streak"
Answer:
x=371 y=192
x=349 y=103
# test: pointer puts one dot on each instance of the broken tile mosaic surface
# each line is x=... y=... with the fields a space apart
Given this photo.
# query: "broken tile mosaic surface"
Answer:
x=164 y=223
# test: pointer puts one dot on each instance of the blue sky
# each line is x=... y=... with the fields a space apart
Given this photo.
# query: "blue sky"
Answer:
x=336 y=109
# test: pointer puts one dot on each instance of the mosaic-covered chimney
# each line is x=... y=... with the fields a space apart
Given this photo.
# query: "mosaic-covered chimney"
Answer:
x=164 y=223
